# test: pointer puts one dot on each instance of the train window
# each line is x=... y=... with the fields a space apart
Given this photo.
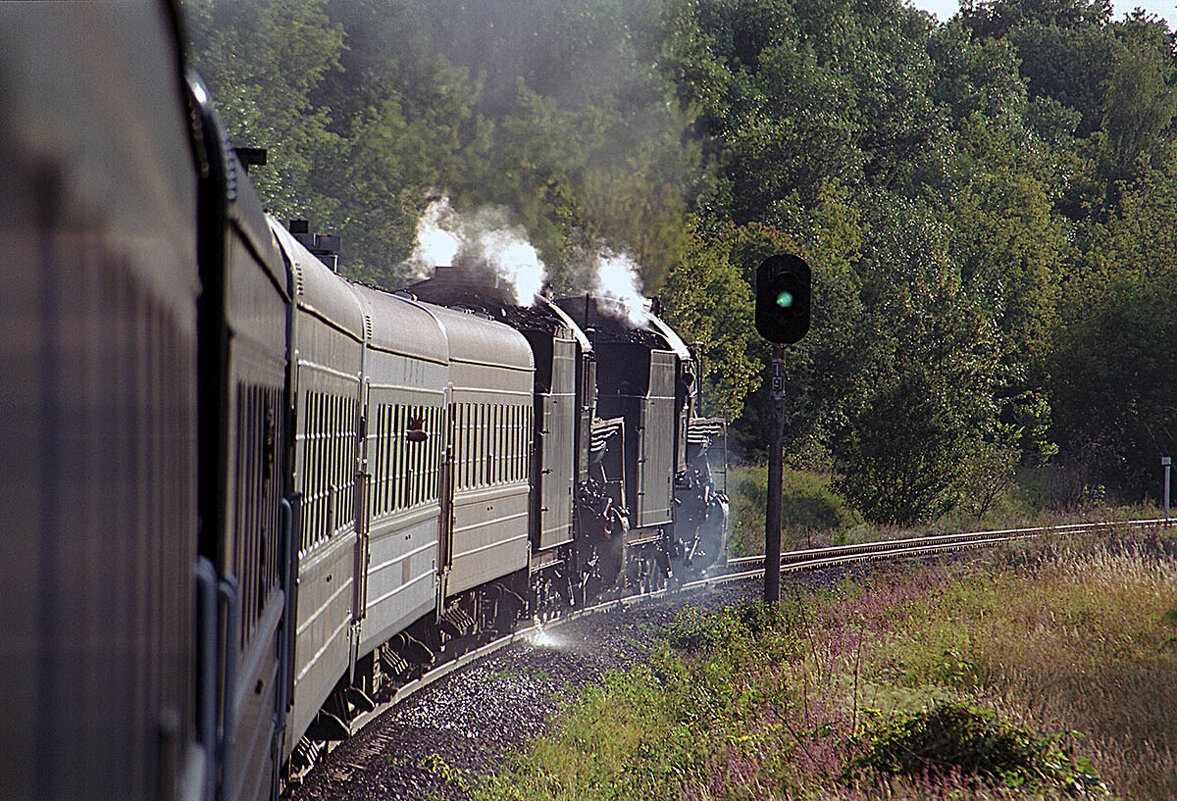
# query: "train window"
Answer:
x=311 y=473
x=476 y=456
x=331 y=455
x=500 y=443
x=491 y=438
x=459 y=446
x=487 y=443
x=378 y=473
x=522 y=455
x=418 y=461
x=459 y=477
x=389 y=465
x=311 y=465
x=397 y=465
x=438 y=445
x=331 y=461
x=459 y=413
x=347 y=466
x=322 y=475
x=414 y=486
x=431 y=464
x=455 y=434
x=405 y=470
x=472 y=443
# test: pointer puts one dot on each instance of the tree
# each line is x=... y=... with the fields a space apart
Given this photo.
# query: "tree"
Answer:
x=263 y=61
x=929 y=396
x=708 y=301
x=1138 y=104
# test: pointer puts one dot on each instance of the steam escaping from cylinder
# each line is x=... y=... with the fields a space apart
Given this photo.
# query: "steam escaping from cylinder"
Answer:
x=443 y=236
x=618 y=287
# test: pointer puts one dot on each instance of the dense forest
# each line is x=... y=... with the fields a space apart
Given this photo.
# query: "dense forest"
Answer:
x=988 y=205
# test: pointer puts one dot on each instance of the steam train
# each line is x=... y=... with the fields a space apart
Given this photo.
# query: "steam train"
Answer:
x=245 y=499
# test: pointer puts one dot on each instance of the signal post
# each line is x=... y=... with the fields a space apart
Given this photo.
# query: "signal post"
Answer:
x=782 y=317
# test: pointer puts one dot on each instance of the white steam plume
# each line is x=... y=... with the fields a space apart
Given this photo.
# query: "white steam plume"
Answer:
x=618 y=283
x=515 y=261
x=436 y=242
x=443 y=235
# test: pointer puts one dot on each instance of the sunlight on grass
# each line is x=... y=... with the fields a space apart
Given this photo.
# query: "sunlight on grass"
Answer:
x=1029 y=673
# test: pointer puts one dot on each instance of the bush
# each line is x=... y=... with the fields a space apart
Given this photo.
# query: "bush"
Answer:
x=808 y=507
x=952 y=738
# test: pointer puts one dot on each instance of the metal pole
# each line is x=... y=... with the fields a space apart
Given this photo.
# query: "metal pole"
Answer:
x=772 y=511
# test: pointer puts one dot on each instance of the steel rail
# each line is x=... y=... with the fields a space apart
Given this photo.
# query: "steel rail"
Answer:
x=812 y=554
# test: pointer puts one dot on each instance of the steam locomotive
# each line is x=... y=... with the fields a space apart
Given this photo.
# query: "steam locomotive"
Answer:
x=245 y=499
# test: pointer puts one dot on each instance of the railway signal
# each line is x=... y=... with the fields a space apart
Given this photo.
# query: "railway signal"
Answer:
x=782 y=316
x=782 y=298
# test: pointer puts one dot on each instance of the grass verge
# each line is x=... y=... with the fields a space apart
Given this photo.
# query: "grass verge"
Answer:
x=1046 y=675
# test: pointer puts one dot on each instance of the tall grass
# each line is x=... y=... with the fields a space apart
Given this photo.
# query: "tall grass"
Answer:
x=1049 y=675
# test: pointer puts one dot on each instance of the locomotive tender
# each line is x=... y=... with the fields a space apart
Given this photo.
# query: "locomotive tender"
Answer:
x=246 y=498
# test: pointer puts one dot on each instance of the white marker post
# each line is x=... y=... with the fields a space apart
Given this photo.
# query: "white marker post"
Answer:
x=1167 y=463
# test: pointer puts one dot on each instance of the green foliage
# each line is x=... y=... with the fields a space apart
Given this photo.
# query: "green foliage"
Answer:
x=733 y=630
x=264 y=60
x=708 y=301
x=812 y=514
x=986 y=204
x=953 y=738
x=1124 y=398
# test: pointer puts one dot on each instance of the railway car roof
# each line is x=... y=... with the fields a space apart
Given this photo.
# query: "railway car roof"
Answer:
x=317 y=289
x=400 y=326
x=478 y=340
x=246 y=212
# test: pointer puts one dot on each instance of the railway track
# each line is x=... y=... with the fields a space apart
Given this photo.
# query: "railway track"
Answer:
x=750 y=567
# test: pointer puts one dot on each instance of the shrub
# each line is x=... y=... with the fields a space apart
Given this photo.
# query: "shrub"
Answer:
x=953 y=738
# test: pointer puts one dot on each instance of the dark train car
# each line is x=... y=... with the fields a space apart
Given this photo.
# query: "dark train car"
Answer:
x=98 y=382
x=640 y=379
x=245 y=512
x=675 y=518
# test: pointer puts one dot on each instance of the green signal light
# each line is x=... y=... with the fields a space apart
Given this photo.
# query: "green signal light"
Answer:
x=784 y=299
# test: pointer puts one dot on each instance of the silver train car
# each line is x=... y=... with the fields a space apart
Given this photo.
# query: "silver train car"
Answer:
x=246 y=499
